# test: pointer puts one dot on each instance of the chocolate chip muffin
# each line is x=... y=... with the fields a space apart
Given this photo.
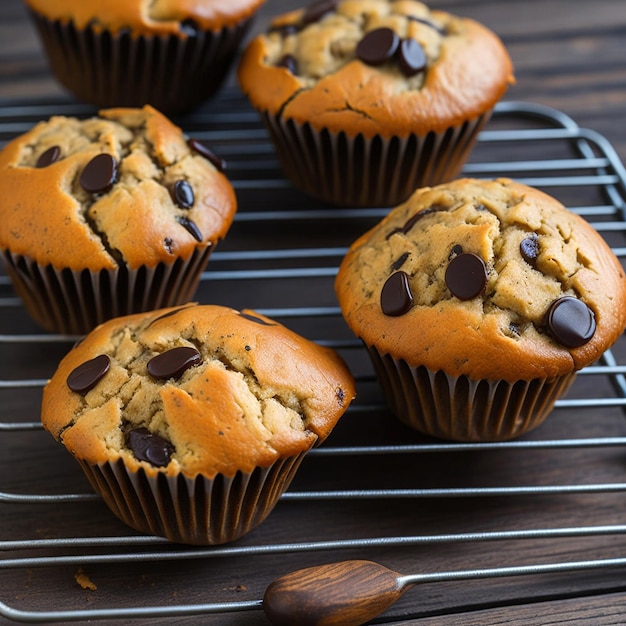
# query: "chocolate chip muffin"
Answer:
x=192 y=421
x=110 y=215
x=478 y=302
x=368 y=100
x=171 y=54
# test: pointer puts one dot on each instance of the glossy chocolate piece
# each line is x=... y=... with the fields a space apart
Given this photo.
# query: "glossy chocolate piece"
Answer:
x=253 y=318
x=147 y=446
x=206 y=152
x=191 y=227
x=289 y=62
x=426 y=22
x=570 y=322
x=411 y=57
x=529 y=249
x=182 y=194
x=466 y=276
x=173 y=363
x=416 y=218
x=399 y=262
x=48 y=157
x=87 y=375
x=99 y=174
x=378 y=46
x=317 y=10
x=395 y=297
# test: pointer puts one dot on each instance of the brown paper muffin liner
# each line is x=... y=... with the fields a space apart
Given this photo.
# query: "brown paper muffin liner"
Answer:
x=462 y=409
x=355 y=171
x=73 y=302
x=199 y=511
x=172 y=73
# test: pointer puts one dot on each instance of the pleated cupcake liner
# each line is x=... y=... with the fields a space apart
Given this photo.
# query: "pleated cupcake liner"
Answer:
x=356 y=171
x=172 y=73
x=197 y=511
x=73 y=302
x=461 y=409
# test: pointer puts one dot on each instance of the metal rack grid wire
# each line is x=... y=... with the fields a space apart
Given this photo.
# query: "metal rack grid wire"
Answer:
x=292 y=281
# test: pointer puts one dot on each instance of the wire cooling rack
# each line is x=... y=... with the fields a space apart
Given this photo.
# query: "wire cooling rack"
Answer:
x=545 y=508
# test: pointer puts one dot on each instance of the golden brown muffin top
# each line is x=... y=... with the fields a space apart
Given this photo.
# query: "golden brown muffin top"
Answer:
x=125 y=187
x=201 y=389
x=147 y=17
x=375 y=67
x=488 y=279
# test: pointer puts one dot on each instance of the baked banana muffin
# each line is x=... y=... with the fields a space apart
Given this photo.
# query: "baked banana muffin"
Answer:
x=192 y=421
x=171 y=54
x=478 y=302
x=366 y=100
x=110 y=215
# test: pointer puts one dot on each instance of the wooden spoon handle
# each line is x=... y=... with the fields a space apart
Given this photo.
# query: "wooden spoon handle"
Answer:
x=348 y=593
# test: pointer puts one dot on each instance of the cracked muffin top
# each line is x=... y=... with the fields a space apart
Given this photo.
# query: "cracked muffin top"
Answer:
x=124 y=187
x=147 y=17
x=375 y=67
x=488 y=279
x=197 y=389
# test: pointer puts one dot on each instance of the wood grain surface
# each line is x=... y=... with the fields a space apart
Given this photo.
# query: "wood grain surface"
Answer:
x=568 y=54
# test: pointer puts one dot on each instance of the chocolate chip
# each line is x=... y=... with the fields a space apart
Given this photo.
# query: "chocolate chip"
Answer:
x=570 y=321
x=189 y=27
x=317 y=10
x=253 y=318
x=191 y=227
x=466 y=276
x=147 y=446
x=99 y=174
x=416 y=218
x=396 y=297
x=426 y=22
x=182 y=194
x=529 y=249
x=411 y=57
x=167 y=244
x=288 y=62
x=50 y=156
x=377 y=46
x=87 y=375
x=399 y=262
x=173 y=363
x=203 y=150
x=456 y=250
x=284 y=29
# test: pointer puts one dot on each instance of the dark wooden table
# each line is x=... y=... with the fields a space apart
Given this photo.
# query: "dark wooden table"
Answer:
x=556 y=496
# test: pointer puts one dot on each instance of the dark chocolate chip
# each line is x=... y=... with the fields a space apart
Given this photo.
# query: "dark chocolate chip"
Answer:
x=570 y=321
x=377 y=46
x=167 y=244
x=317 y=10
x=426 y=22
x=191 y=227
x=396 y=297
x=284 y=29
x=466 y=276
x=182 y=194
x=411 y=57
x=399 y=262
x=99 y=174
x=529 y=249
x=189 y=27
x=173 y=363
x=203 y=150
x=165 y=315
x=50 y=156
x=416 y=218
x=288 y=62
x=87 y=375
x=456 y=250
x=147 y=446
x=258 y=320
